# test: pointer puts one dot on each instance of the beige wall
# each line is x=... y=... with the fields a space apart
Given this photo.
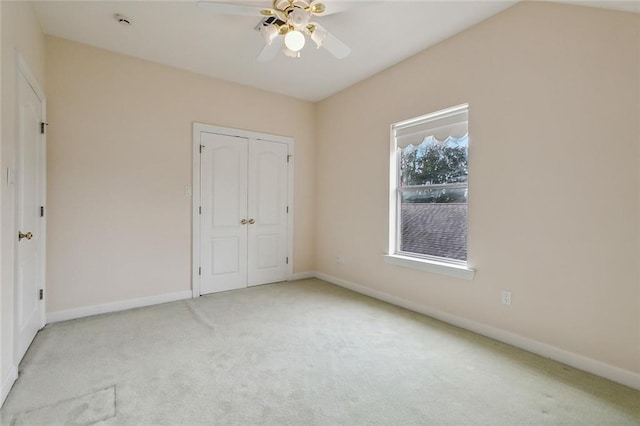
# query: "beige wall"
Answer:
x=119 y=157
x=21 y=33
x=554 y=191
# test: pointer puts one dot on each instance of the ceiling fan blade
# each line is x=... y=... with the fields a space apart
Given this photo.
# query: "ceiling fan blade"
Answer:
x=271 y=50
x=332 y=9
x=336 y=47
x=330 y=42
x=230 y=9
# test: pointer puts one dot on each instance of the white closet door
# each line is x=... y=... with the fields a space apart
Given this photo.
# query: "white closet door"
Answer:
x=224 y=206
x=29 y=307
x=268 y=185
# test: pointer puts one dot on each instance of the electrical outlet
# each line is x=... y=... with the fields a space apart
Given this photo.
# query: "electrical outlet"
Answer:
x=340 y=260
x=506 y=297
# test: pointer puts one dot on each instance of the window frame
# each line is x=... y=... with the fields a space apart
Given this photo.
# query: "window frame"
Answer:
x=446 y=266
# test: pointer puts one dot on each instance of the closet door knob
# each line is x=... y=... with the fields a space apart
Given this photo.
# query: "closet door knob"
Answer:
x=252 y=221
x=244 y=221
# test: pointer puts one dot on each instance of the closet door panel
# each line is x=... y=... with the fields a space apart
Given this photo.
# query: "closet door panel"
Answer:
x=223 y=195
x=267 y=208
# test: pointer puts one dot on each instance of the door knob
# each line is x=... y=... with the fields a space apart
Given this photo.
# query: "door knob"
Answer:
x=252 y=221
x=28 y=235
x=244 y=221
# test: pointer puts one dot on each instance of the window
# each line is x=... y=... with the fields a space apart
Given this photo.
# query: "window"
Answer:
x=429 y=188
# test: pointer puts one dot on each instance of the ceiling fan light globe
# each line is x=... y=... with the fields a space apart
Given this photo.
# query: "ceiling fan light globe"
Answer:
x=294 y=40
x=318 y=35
x=299 y=18
x=269 y=33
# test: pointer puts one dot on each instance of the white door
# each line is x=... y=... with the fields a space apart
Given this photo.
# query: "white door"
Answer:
x=29 y=309
x=244 y=213
x=268 y=209
x=223 y=187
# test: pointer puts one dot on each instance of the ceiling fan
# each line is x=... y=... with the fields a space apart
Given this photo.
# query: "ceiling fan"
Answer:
x=286 y=25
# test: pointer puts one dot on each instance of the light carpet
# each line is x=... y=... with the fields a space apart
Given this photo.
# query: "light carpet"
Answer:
x=300 y=353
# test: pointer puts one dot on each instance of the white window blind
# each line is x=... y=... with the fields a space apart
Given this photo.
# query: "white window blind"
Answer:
x=452 y=122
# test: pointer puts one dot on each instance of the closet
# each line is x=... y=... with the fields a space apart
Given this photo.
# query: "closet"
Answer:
x=243 y=211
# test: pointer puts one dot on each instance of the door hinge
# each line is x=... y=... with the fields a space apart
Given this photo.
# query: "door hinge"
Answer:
x=287 y=260
x=41 y=211
x=287 y=209
x=200 y=210
x=199 y=270
x=42 y=125
x=201 y=146
x=41 y=294
x=289 y=158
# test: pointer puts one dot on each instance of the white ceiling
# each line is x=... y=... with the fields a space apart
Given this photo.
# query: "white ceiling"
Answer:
x=182 y=35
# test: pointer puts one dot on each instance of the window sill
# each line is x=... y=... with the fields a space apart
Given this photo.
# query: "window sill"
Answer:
x=451 y=270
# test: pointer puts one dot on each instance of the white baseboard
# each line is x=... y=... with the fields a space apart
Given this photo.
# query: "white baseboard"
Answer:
x=619 y=375
x=302 y=276
x=7 y=383
x=116 y=306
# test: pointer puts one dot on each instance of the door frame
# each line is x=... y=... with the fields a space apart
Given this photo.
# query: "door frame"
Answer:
x=199 y=128
x=23 y=69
